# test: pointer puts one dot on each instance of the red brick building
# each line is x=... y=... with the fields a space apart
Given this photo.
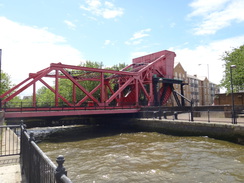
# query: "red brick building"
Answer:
x=198 y=89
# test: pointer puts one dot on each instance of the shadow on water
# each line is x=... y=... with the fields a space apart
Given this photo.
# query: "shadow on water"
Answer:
x=77 y=133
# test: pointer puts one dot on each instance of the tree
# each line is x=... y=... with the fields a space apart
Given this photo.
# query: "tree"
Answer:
x=45 y=96
x=5 y=83
x=234 y=57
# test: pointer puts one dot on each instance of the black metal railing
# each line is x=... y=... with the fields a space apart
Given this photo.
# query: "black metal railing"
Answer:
x=189 y=114
x=9 y=140
x=52 y=106
x=36 y=166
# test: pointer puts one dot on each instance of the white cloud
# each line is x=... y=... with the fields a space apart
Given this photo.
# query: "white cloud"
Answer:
x=136 y=38
x=138 y=54
x=27 y=49
x=107 y=9
x=172 y=24
x=207 y=54
x=216 y=14
x=71 y=25
x=107 y=42
x=140 y=34
x=135 y=42
x=204 y=7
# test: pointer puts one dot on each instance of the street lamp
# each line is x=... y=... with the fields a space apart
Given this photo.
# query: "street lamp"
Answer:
x=232 y=96
x=0 y=76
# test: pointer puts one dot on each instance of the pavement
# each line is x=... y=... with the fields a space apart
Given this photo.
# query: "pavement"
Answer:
x=10 y=170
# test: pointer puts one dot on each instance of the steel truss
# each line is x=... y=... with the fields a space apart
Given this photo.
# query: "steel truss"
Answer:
x=133 y=85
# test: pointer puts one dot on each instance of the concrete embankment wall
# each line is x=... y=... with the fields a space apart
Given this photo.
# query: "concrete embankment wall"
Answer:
x=230 y=132
x=1 y=117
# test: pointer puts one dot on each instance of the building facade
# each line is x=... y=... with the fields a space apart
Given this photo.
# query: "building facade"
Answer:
x=197 y=89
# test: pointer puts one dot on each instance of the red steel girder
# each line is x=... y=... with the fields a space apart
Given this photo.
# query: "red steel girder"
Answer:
x=131 y=82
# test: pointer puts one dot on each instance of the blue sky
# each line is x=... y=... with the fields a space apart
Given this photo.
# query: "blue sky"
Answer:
x=34 y=34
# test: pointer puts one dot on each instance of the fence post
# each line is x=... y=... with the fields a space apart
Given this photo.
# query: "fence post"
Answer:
x=192 y=110
x=22 y=130
x=208 y=116
x=175 y=115
x=60 y=170
x=159 y=113
x=165 y=115
x=30 y=156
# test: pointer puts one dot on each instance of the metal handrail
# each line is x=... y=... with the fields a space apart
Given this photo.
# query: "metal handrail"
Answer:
x=36 y=165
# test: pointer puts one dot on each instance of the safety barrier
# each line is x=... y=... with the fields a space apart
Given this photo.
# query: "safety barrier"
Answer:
x=9 y=140
x=36 y=166
x=51 y=106
x=188 y=114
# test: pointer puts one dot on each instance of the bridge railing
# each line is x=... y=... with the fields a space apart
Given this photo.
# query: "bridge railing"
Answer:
x=52 y=106
x=213 y=114
x=36 y=166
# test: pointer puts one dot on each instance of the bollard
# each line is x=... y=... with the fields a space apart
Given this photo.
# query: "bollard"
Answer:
x=60 y=170
x=175 y=115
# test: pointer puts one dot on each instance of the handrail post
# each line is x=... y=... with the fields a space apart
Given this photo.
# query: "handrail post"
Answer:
x=159 y=113
x=30 y=156
x=175 y=115
x=192 y=110
x=208 y=116
x=165 y=115
x=60 y=170
x=22 y=130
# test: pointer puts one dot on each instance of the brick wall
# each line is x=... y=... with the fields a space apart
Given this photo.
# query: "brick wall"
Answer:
x=225 y=99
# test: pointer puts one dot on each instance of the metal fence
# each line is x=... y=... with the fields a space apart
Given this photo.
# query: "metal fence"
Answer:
x=9 y=140
x=36 y=166
x=218 y=116
x=61 y=106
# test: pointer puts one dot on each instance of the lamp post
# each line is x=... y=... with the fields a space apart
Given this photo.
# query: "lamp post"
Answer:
x=232 y=96
x=0 y=69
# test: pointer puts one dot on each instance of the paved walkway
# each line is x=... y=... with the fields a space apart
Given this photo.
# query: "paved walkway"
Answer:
x=10 y=170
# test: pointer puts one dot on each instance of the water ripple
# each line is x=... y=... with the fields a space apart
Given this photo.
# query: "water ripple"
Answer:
x=150 y=157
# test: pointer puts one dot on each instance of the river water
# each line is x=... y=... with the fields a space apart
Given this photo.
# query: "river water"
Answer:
x=98 y=154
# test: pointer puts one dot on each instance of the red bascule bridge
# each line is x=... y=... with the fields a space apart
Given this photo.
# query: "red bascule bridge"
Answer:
x=148 y=81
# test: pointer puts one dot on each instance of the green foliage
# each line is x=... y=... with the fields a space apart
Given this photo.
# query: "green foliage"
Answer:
x=234 y=57
x=45 y=97
x=5 y=83
x=117 y=67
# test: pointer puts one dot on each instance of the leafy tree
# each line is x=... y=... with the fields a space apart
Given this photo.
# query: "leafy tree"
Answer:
x=45 y=97
x=234 y=57
x=5 y=83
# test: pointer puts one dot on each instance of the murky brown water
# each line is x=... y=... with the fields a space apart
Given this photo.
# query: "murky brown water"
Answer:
x=97 y=155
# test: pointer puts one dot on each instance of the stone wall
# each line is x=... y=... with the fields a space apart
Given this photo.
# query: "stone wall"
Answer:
x=1 y=117
x=230 y=132
x=226 y=99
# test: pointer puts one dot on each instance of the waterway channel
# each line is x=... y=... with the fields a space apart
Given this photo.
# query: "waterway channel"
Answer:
x=97 y=154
